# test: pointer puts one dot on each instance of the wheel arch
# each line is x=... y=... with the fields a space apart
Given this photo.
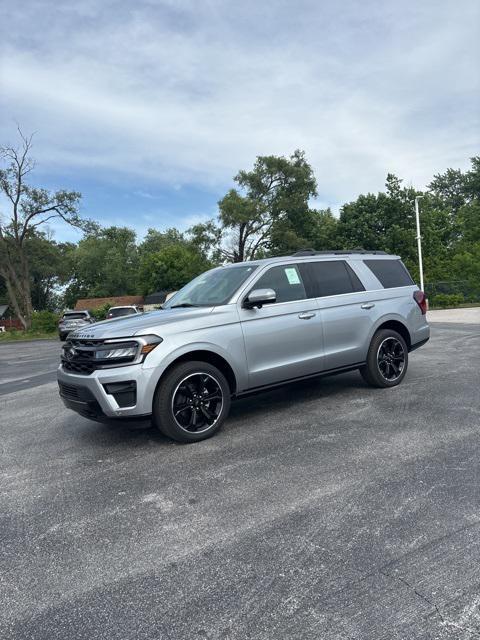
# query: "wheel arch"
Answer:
x=205 y=355
x=396 y=325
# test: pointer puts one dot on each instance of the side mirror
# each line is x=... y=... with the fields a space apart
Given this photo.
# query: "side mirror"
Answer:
x=259 y=297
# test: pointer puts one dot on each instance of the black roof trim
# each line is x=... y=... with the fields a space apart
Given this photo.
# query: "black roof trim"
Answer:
x=312 y=252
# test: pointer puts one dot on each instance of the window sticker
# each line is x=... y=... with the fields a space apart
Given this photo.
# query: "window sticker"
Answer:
x=292 y=275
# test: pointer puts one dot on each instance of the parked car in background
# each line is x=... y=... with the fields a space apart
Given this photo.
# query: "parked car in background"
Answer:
x=118 y=312
x=245 y=327
x=72 y=320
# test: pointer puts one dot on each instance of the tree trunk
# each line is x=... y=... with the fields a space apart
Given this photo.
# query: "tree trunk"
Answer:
x=240 y=257
x=13 y=299
x=26 y=289
x=17 y=279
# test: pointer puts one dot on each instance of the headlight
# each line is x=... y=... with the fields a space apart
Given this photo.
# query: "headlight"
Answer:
x=82 y=355
x=125 y=350
x=116 y=352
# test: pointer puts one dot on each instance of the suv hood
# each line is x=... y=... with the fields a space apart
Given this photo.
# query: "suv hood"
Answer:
x=141 y=324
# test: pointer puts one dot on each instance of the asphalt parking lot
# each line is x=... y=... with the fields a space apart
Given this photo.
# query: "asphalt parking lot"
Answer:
x=324 y=510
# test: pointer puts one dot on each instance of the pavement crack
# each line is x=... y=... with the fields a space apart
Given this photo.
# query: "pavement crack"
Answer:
x=444 y=620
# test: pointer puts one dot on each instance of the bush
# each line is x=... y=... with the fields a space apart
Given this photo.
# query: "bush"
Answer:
x=44 y=322
x=444 y=300
x=100 y=313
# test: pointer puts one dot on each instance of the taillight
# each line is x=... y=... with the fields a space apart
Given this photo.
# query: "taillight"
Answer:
x=421 y=300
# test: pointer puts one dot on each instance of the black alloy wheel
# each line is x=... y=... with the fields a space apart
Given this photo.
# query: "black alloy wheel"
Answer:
x=391 y=358
x=191 y=402
x=197 y=402
x=387 y=359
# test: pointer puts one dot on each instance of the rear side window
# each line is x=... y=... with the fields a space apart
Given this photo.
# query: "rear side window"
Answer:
x=286 y=281
x=116 y=313
x=391 y=273
x=331 y=278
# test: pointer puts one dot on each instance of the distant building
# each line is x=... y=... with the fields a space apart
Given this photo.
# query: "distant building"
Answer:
x=85 y=304
x=155 y=300
x=7 y=320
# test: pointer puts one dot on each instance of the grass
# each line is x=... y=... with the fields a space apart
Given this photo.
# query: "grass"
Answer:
x=13 y=336
x=464 y=305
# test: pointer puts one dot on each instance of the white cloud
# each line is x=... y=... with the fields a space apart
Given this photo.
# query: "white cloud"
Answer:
x=188 y=93
x=197 y=218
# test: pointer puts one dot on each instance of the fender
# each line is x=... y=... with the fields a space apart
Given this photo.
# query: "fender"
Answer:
x=241 y=376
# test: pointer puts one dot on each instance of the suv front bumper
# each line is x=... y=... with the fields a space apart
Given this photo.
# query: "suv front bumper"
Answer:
x=120 y=392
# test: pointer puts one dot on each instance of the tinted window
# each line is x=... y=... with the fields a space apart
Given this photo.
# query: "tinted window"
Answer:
x=332 y=278
x=74 y=316
x=116 y=313
x=285 y=281
x=391 y=273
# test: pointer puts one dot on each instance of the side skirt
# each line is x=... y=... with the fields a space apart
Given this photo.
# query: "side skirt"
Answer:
x=319 y=374
x=418 y=344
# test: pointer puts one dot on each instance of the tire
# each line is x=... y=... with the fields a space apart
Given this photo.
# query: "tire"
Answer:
x=387 y=360
x=63 y=337
x=192 y=402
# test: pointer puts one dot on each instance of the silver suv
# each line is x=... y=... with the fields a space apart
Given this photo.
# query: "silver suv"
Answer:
x=246 y=327
x=72 y=320
x=119 y=312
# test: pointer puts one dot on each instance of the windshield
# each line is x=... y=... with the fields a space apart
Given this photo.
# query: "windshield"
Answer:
x=211 y=288
x=116 y=313
x=74 y=316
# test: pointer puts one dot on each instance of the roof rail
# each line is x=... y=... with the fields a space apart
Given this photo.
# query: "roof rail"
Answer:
x=337 y=252
x=305 y=252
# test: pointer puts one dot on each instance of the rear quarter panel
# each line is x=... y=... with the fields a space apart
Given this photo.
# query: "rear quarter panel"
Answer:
x=392 y=304
x=399 y=304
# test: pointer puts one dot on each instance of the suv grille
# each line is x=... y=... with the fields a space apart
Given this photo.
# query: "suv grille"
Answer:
x=85 y=343
x=85 y=368
x=78 y=356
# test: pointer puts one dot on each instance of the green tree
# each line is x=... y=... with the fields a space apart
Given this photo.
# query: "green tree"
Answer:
x=51 y=267
x=458 y=193
x=206 y=237
x=155 y=241
x=309 y=228
x=271 y=207
x=104 y=264
x=27 y=209
x=386 y=222
x=325 y=231
x=170 y=268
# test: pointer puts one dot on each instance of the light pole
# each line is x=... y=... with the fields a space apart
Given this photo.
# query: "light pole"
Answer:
x=419 y=241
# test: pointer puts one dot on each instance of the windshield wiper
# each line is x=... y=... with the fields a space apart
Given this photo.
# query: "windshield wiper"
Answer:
x=184 y=304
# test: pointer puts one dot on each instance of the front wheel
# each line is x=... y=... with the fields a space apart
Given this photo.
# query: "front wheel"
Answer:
x=387 y=359
x=191 y=402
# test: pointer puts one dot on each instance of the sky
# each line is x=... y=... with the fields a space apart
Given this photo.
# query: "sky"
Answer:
x=149 y=108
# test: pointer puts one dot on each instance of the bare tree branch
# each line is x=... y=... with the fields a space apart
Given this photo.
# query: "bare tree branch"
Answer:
x=30 y=208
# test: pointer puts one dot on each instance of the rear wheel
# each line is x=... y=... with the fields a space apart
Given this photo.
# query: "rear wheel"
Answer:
x=191 y=402
x=387 y=359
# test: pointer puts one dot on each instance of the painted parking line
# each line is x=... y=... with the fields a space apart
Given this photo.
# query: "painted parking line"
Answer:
x=25 y=378
x=28 y=382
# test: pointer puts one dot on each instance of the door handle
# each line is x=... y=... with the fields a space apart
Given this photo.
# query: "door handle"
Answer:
x=368 y=305
x=306 y=315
